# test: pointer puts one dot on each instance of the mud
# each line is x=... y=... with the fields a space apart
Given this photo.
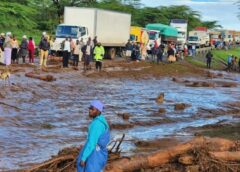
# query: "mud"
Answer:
x=48 y=116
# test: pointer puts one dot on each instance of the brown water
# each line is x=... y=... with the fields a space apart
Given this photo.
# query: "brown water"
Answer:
x=50 y=116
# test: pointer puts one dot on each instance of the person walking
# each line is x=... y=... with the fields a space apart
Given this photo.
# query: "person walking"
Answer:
x=31 y=50
x=209 y=59
x=66 y=52
x=44 y=47
x=15 y=47
x=98 y=55
x=93 y=156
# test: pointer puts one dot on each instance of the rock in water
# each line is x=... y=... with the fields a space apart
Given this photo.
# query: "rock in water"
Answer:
x=160 y=98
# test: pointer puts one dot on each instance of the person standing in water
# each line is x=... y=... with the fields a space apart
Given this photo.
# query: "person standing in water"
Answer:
x=93 y=156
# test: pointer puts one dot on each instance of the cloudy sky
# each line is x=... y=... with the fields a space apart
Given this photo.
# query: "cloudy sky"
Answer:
x=224 y=11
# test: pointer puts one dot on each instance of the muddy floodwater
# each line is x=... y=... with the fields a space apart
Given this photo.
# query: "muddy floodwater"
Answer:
x=39 y=118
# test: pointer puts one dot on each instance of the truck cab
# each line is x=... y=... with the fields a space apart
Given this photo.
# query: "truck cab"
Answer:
x=153 y=35
x=69 y=31
x=199 y=38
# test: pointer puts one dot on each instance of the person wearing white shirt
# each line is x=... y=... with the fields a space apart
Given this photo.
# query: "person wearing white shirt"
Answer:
x=66 y=52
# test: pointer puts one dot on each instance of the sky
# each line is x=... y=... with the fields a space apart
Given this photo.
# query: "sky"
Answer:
x=223 y=11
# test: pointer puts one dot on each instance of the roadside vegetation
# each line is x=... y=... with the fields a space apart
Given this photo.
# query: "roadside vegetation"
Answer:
x=230 y=132
x=32 y=17
x=219 y=58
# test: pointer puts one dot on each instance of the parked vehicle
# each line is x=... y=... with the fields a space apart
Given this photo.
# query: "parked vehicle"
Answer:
x=161 y=33
x=181 y=26
x=227 y=35
x=64 y=31
x=111 y=28
x=199 y=38
x=215 y=37
x=139 y=34
x=154 y=36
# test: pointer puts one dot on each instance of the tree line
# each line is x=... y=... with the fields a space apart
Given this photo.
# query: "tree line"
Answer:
x=44 y=15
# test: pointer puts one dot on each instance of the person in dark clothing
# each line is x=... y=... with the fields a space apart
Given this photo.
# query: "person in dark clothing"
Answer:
x=23 y=52
x=129 y=49
x=95 y=42
x=160 y=53
x=137 y=51
x=171 y=55
x=14 y=50
x=2 y=40
x=209 y=59
x=239 y=64
x=134 y=51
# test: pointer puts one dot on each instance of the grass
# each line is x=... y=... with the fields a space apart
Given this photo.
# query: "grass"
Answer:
x=227 y=132
x=196 y=62
x=223 y=54
x=36 y=34
x=219 y=58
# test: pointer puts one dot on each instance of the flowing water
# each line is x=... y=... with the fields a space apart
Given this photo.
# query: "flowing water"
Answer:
x=41 y=118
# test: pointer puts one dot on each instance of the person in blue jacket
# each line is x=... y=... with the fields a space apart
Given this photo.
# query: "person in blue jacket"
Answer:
x=94 y=154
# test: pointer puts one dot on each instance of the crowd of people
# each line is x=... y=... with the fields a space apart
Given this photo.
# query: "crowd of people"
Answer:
x=155 y=53
x=75 y=50
x=92 y=50
x=81 y=51
x=16 y=52
x=233 y=63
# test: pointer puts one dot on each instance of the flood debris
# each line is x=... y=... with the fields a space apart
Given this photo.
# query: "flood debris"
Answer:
x=162 y=110
x=180 y=106
x=160 y=98
x=66 y=159
x=121 y=126
x=52 y=68
x=200 y=84
x=124 y=116
x=195 y=153
x=200 y=153
x=48 y=78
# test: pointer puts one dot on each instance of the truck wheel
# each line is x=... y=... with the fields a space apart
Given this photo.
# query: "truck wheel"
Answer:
x=112 y=53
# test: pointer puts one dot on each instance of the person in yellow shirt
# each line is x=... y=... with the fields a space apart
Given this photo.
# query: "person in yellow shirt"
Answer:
x=98 y=55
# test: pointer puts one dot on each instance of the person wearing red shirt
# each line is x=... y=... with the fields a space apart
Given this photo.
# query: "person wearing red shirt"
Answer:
x=31 y=49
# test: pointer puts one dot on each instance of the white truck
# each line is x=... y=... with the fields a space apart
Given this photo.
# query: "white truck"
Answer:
x=181 y=26
x=154 y=35
x=111 y=28
x=199 y=38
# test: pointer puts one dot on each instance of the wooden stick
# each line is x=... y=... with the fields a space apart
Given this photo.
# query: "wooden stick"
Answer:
x=226 y=155
x=63 y=158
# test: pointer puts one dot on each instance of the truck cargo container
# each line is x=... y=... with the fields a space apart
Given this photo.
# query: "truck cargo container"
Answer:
x=139 y=34
x=199 y=38
x=111 y=28
x=181 y=26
